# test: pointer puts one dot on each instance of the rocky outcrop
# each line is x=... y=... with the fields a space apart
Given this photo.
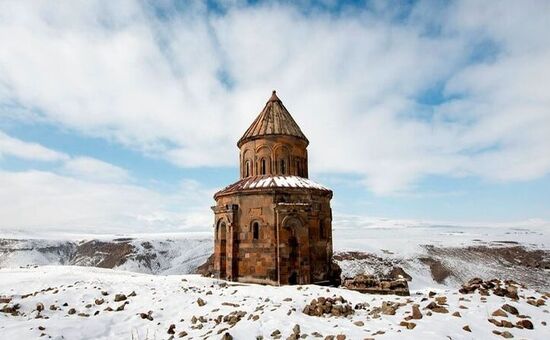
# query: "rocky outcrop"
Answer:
x=206 y=269
x=373 y=285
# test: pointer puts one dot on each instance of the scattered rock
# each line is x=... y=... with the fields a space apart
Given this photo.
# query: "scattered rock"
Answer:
x=120 y=297
x=500 y=312
x=121 y=307
x=171 y=329
x=11 y=309
x=230 y=304
x=506 y=324
x=232 y=318
x=536 y=303
x=495 y=322
x=510 y=309
x=436 y=308
x=227 y=336
x=389 y=308
x=148 y=315
x=359 y=323
x=441 y=300
x=408 y=325
x=457 y=314
x=182 y=334
x=525 y=324
x=71 y=311
x=99 y=301
x=201 y=302
x=467 y=328
x=506 y=335
x=416 y=314
x=39 y=307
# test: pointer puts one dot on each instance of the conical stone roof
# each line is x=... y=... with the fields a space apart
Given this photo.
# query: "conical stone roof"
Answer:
x=273 y=120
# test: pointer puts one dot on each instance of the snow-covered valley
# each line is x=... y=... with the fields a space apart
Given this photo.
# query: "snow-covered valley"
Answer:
x=142 y=254
x=78 y=298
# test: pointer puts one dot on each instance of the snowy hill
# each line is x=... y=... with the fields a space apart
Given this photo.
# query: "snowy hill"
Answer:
x=143 y=255
x=84 y=303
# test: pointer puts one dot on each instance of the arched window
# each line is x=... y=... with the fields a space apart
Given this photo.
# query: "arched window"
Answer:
x=263 y=166
x=298 y=168
x=247 y=169
x=321 y=230
x=255 y=230
x=221 y=231
x=282 y=166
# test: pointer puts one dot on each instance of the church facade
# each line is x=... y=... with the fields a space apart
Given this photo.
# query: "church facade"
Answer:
x=274 y=225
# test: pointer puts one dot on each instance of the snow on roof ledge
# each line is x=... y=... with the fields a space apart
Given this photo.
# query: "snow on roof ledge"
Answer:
x=268 y=181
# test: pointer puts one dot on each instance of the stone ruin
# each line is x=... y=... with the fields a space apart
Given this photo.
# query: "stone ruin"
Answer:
x=370 y=284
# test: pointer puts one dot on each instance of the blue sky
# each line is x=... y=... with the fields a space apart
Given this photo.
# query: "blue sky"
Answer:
x=124 y=116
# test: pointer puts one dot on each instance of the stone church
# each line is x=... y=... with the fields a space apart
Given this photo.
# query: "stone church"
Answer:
x=274 y=225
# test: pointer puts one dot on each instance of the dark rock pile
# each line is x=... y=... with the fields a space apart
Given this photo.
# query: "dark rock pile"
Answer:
x=336 y=306
x=508 y=288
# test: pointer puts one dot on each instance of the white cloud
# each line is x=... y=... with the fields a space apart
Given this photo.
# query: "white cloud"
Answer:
x=94 y=169
x=351 y=81
x=81 y=167
x=33 y=200
x=84 y=194
x=30 y=151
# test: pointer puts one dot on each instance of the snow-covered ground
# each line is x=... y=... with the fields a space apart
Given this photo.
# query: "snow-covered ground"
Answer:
x=173 y=300
x=59 y=285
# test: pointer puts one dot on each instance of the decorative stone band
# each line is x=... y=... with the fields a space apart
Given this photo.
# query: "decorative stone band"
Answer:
x=272 y=182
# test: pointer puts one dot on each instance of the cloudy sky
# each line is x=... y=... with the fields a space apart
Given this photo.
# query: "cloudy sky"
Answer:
x=124 y=115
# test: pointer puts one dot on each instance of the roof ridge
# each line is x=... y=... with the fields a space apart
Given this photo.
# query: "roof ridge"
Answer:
x=274 y=119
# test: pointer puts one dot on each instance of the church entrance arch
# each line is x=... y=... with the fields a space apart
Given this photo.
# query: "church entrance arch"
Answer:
x=296 y=232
